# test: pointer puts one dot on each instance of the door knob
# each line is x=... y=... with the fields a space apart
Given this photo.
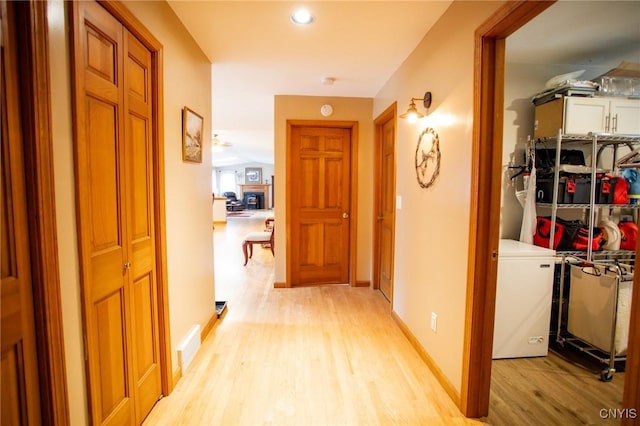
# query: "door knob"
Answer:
x=127 y=265
x=345 y=215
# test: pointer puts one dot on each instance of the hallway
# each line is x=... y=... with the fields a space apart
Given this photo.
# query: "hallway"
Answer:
x=327 y=355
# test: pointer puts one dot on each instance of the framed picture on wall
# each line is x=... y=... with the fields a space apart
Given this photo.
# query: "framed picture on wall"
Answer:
x=192 y=127
x=252 y=175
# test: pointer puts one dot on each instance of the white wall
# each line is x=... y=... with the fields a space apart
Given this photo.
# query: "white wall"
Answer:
x=432 y=228
x=188 y=187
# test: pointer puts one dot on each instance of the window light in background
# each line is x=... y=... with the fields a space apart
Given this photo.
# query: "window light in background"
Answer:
x=412 y=114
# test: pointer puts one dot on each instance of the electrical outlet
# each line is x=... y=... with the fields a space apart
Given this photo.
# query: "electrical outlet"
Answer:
x=434 y=321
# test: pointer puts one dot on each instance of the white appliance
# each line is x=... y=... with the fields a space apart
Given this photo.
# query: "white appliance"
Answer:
x=523 y=300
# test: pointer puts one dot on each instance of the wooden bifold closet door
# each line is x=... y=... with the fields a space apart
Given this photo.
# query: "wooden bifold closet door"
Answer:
x=112 y=78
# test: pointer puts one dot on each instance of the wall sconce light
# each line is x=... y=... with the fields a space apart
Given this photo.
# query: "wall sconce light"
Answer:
x=412 y=113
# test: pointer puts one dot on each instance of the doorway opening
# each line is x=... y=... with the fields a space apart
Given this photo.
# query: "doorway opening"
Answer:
x=487 y=150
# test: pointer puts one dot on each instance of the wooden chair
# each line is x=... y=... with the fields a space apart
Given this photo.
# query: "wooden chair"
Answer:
x=268 y=224
x=260 y=237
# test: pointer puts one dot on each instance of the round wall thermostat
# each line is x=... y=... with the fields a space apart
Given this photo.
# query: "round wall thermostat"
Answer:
x=326 y=110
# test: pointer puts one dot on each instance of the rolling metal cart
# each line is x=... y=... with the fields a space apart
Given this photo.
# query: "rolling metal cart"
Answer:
x=598 y=311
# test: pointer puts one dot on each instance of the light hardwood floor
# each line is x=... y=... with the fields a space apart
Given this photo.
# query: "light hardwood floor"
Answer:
x=332 y=355
x=327 y=355
x=550 y=391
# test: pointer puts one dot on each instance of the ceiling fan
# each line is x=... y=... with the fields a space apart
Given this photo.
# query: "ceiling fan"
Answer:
x=216 y=141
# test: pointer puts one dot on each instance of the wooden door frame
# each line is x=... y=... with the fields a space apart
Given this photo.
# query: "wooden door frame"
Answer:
x=391 y=113
x=484 y=223
x=35 y=88
x=133 y=24
x=353 y=180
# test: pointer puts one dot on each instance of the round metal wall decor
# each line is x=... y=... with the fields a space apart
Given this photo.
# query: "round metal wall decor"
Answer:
x=427 y=157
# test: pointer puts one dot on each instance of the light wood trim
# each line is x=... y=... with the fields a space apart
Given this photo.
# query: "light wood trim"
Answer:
x=177 y=375
x=363 y=283
x=289 y=210
x=208 y=327
x=353 y=250
x=511 y=17
x=485 y=200
x=161 y=225
x=353 y=126
x=424 y=355
x=390 y=113
x=133 y=24
x=76 y=77
x=33 y=40
x=136 y=27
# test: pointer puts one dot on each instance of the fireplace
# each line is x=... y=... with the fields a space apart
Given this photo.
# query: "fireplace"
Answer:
x=261 y=193
x=253 y=200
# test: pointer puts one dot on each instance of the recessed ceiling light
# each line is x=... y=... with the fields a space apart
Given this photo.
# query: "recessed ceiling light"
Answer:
x=302 y=17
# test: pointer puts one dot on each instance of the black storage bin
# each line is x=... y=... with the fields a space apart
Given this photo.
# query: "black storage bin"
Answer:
x=575 y=189
x=605 y=189
x=546 y=157
x=582 y=194
x=545 y=188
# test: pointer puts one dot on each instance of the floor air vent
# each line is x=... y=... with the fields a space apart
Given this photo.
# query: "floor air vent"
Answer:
x=189 y=347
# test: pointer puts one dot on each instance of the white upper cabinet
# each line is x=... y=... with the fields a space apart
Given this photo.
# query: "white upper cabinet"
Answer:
x=625 y=116
x=581 y=115
x=584 y=115
x=602 y=115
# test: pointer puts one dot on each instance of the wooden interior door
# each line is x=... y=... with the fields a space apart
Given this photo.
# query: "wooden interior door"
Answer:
x=115 y=199
x=19 y=366
x=385 y=205
x=320 y=170
x=142 y=275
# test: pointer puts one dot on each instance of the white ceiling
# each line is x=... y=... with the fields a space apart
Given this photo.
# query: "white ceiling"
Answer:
x=579 y=33
x=257 y=52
